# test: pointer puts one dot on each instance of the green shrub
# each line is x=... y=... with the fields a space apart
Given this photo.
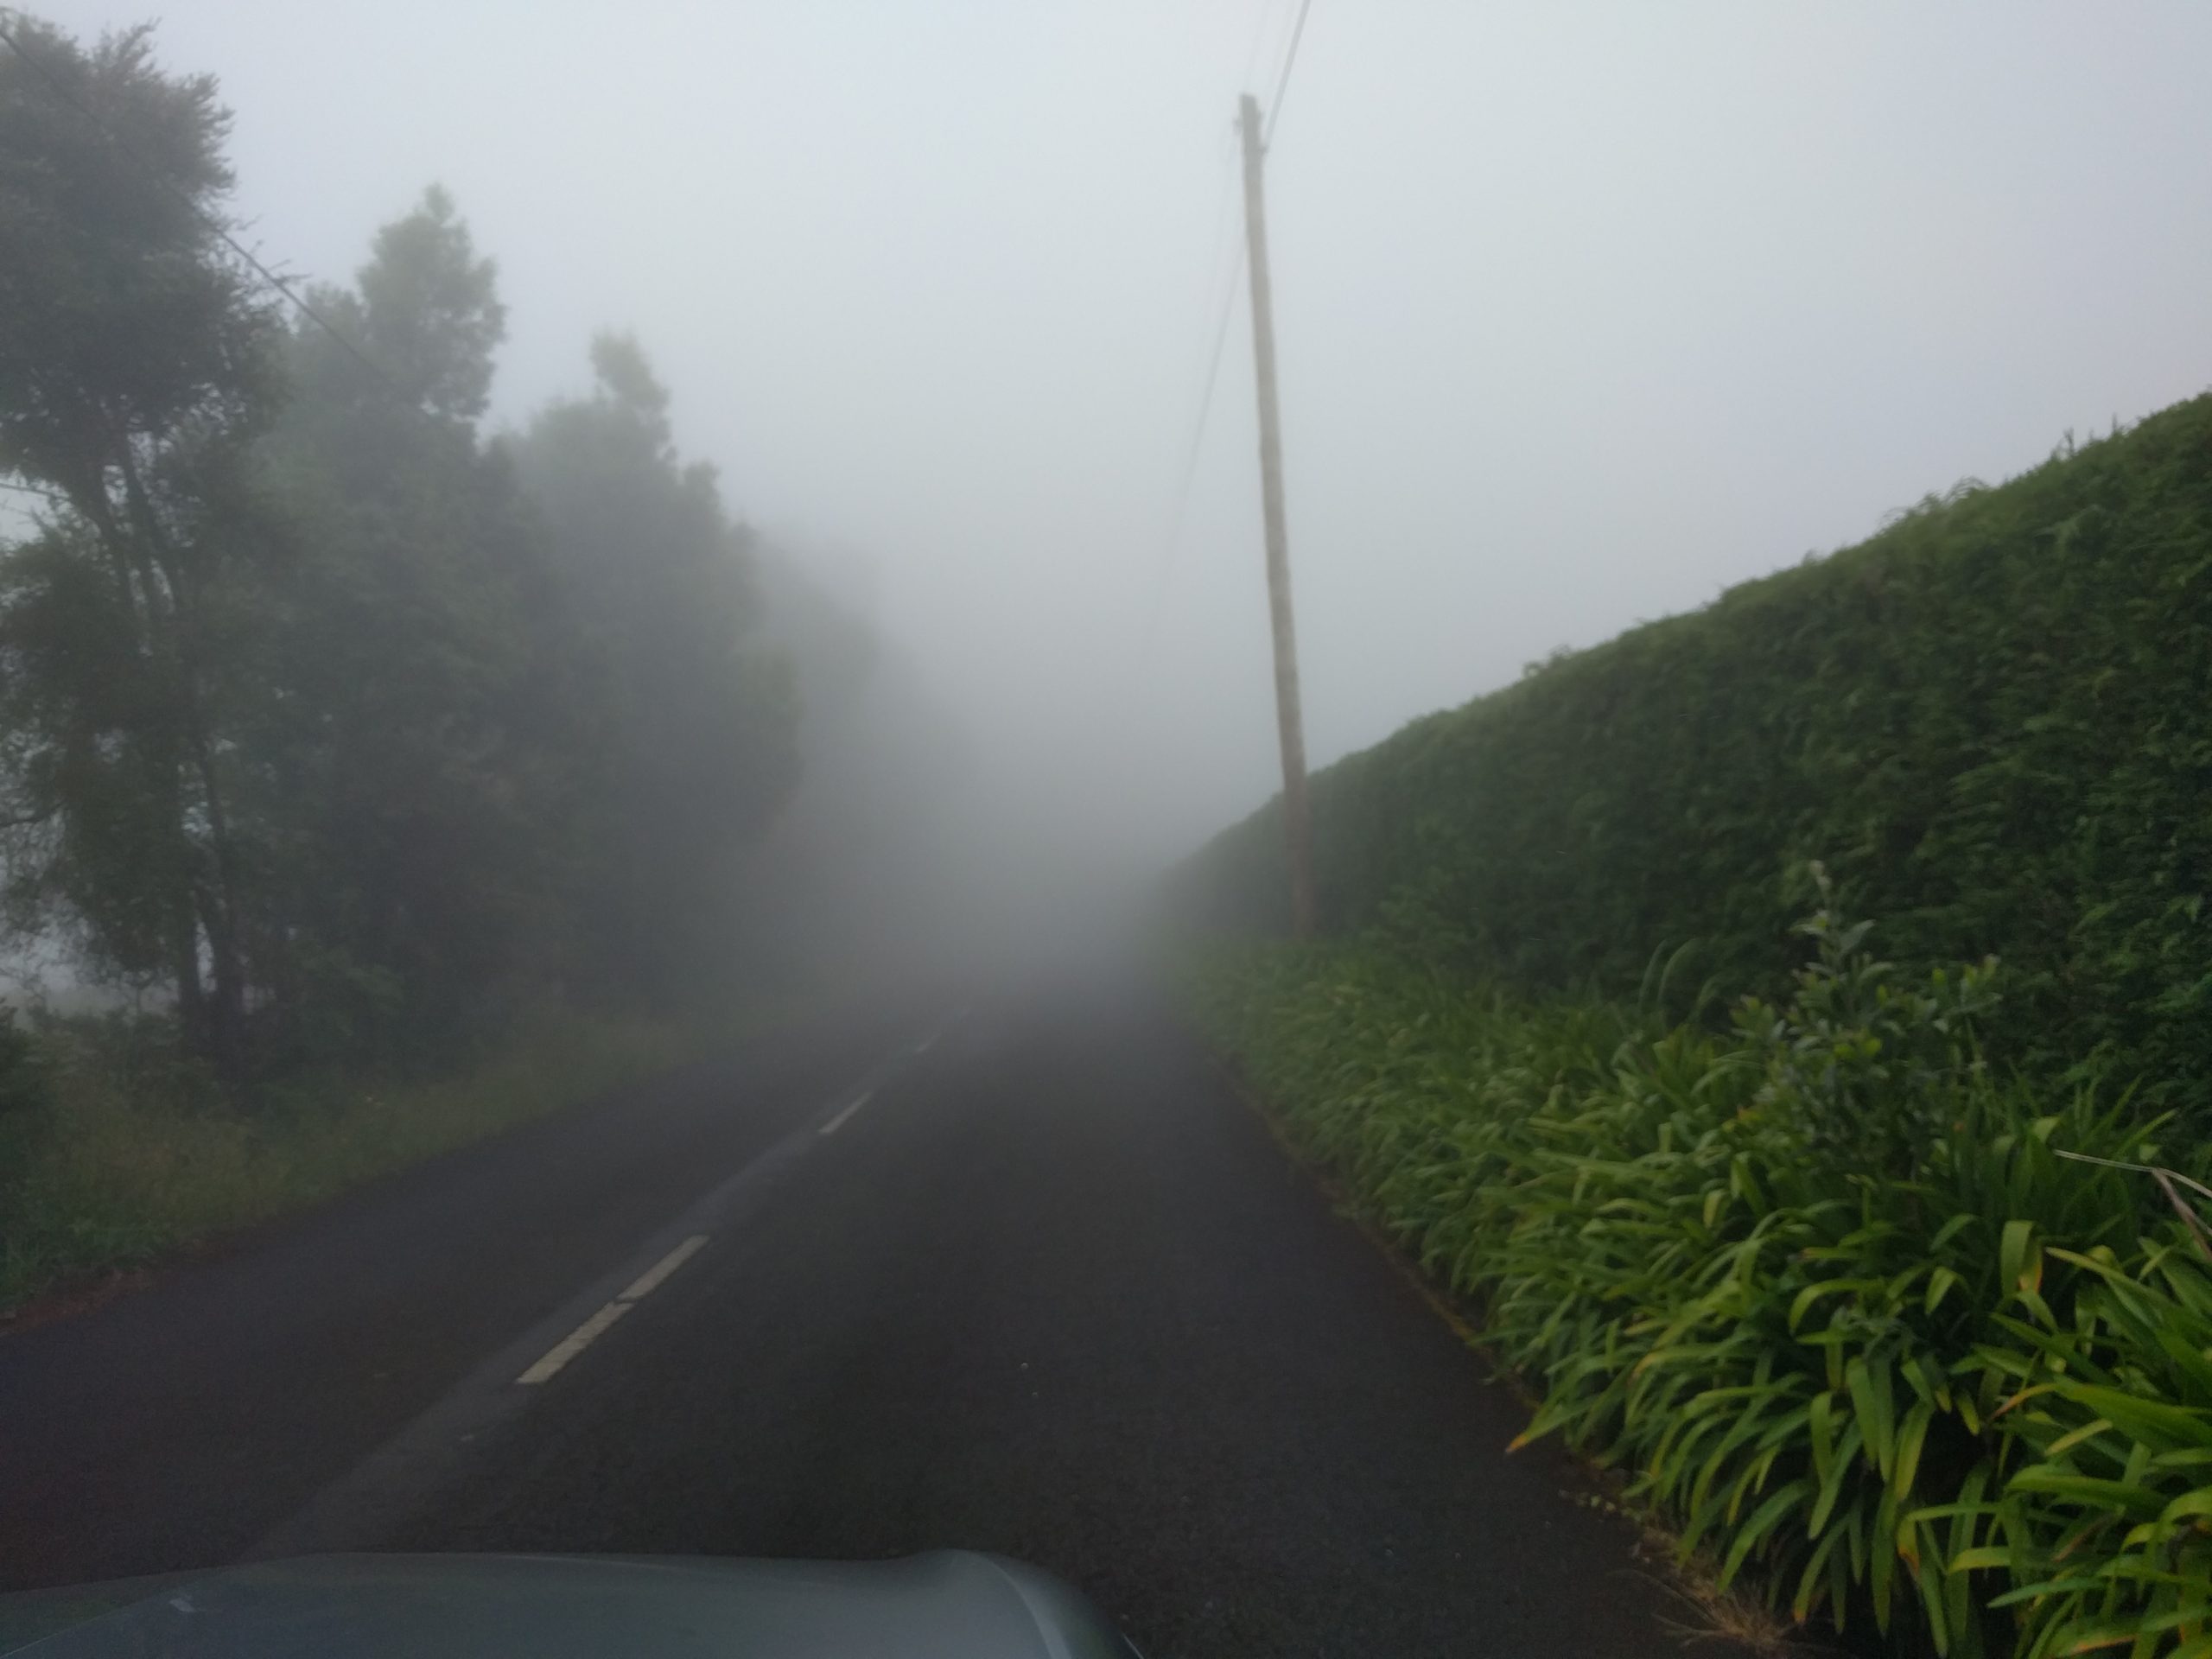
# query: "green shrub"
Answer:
x=2106 y=1529
x=1825 y=1286
x=1989 y=719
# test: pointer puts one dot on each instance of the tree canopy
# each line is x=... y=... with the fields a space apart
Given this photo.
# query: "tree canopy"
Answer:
x=337 y=723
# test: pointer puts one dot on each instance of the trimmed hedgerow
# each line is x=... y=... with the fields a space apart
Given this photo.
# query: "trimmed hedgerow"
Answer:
x=1991 y=721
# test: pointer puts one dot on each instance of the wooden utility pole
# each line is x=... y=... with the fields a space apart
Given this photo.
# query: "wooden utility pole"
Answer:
x=1296 y=820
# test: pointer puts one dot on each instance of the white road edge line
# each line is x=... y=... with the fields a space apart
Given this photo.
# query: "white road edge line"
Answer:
x=574 y=1343
x=838 y=1122
x=651 y=1279
x=594 y=1327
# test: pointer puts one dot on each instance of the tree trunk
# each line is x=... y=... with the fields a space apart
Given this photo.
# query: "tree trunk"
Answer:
x=172 y=619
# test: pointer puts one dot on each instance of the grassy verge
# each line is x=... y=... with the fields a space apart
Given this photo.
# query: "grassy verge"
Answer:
x=1819 y=1284
x=117 y=1172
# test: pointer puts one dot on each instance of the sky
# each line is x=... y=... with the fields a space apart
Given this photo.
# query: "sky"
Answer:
x=1585 y=311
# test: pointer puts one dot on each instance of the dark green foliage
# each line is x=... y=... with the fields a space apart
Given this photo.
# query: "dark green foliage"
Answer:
x=414 y=764
x=1964 y=1396
x=698 y=723
x=117 y=317
x=1989 y=720
x=1864 y=1069
x=429 y=315
x=138 y=362
x=345 y=733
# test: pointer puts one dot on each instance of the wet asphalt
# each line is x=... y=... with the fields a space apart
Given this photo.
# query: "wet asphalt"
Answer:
x=1016 y=1274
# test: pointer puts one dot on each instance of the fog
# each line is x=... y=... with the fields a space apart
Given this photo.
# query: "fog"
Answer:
x=1584 y=312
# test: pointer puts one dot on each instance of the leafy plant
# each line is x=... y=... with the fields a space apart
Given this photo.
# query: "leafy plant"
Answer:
x=1987 y=718
x=1865 y=1071
x=1828 y=1290
x=2106 y=1529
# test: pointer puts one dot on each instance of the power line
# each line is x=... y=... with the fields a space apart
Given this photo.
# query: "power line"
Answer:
x=61 y=90
x=1220 y=331
x=1190 y=472
x=1282 y=81
x=1190 y=460
x=1265 y=9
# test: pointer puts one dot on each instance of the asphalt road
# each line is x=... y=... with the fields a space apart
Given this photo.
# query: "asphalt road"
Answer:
x=1022 y=1277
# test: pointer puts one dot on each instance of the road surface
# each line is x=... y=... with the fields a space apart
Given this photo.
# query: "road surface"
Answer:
x=1022 y=1277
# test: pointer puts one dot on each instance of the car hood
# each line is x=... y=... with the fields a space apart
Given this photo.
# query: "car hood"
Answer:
x=953 y=1605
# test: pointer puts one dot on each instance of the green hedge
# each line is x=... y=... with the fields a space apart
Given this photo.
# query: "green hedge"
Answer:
x=1938 y=1376
x=1992 y=721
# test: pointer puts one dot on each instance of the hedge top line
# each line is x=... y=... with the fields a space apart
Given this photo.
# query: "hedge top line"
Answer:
x=1992 y=720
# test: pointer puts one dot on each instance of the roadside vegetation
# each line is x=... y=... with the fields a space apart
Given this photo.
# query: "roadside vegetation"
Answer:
x=131 y=1154
x=1845 y=1304
x=1988 y=721
x=402 y=771
x=1887 y=1284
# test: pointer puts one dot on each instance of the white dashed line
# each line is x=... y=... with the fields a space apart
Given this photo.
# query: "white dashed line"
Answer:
x=574 y=1343
x=650 y=1280
x=594 y=1327
x=653 y=1277
x=838 y=1122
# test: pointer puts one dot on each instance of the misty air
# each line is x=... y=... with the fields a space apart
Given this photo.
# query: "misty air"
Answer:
x=1226 y=829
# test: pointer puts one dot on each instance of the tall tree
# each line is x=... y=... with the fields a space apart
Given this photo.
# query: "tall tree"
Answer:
x=137 y=364
x=699 y=717
x=307 y=706
x=427 y=740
